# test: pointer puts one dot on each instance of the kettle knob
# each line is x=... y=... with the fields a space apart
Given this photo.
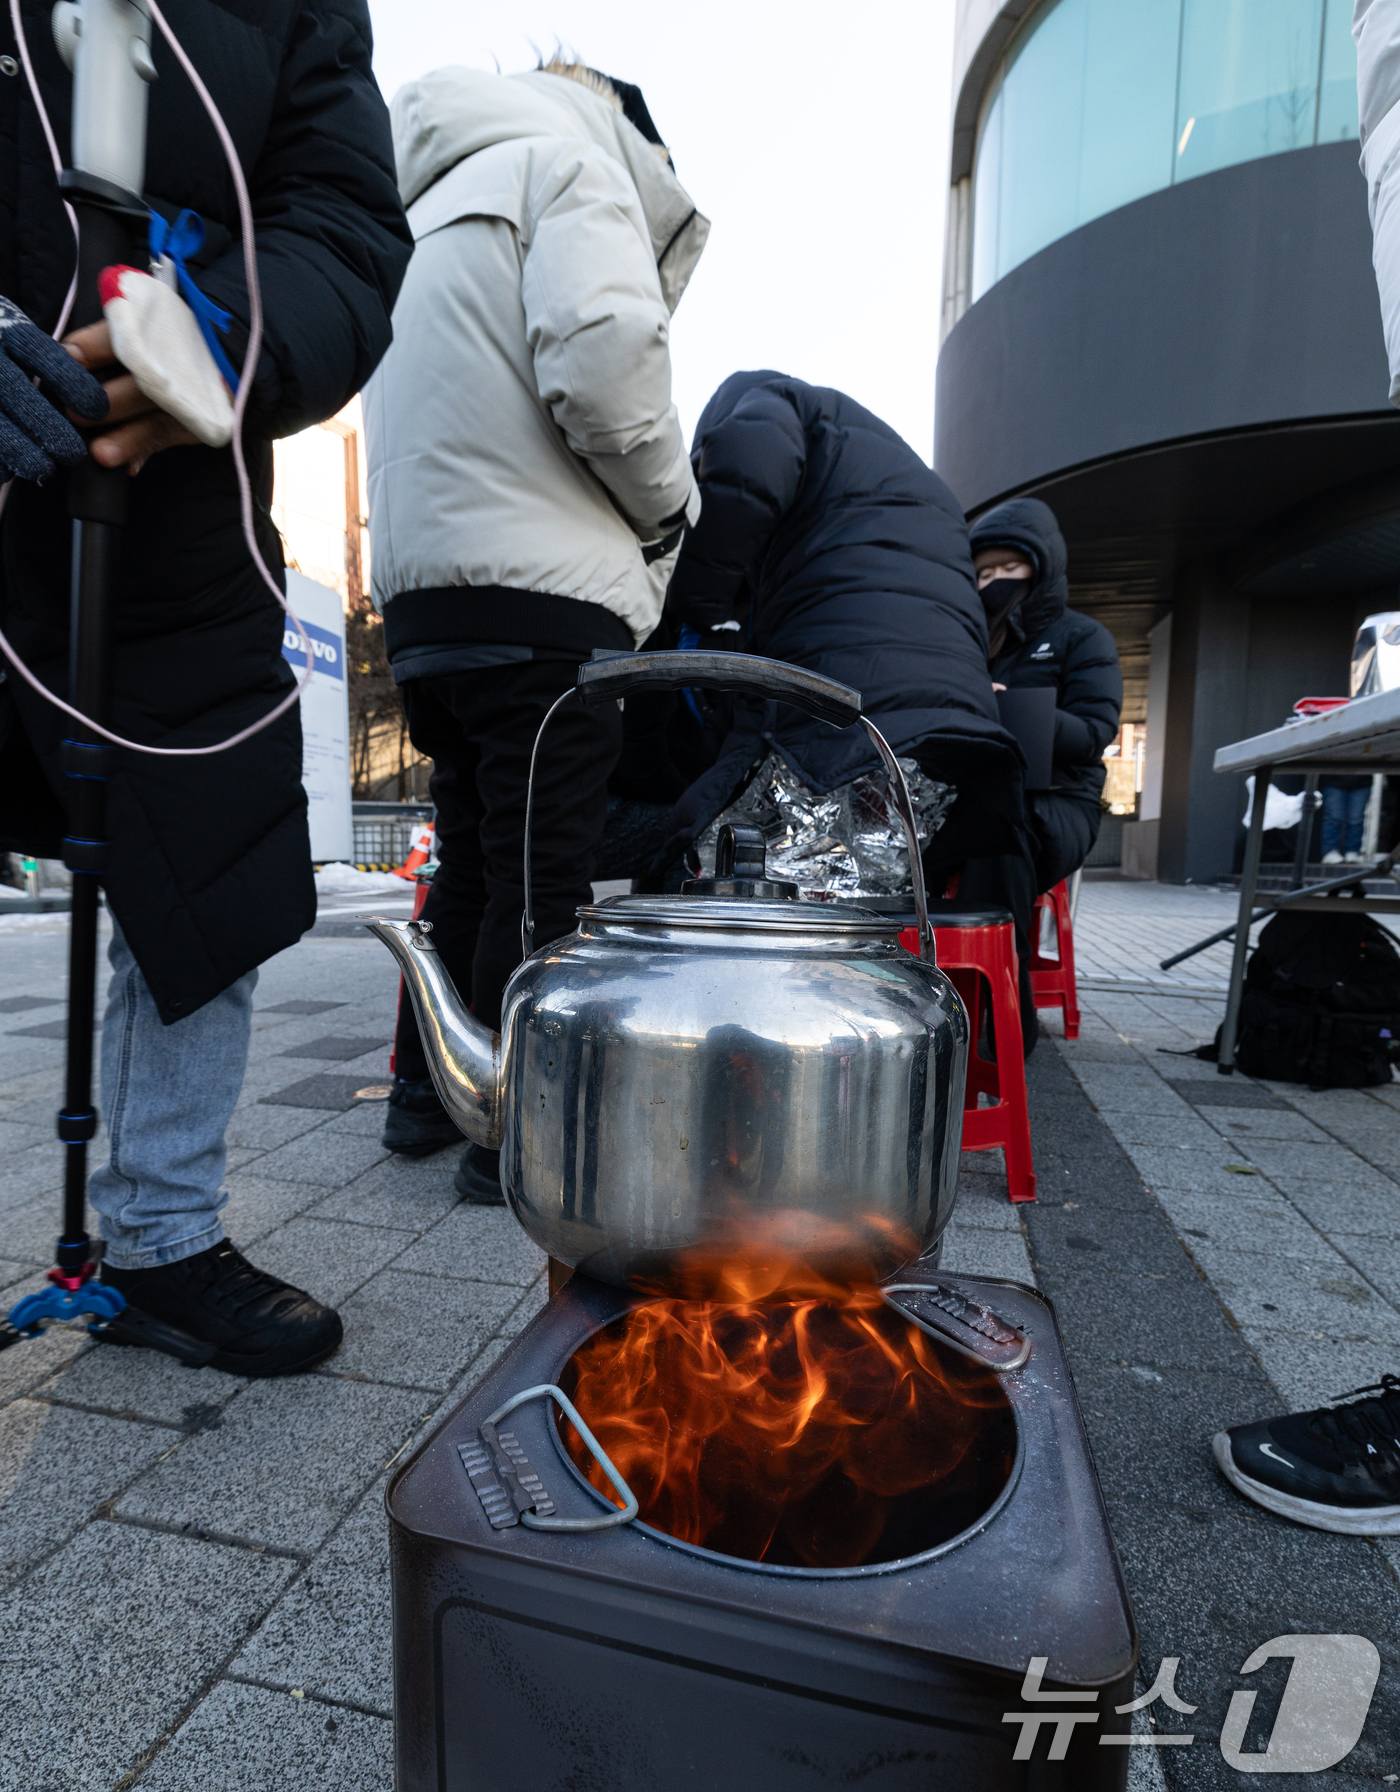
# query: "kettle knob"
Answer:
x=741 y=869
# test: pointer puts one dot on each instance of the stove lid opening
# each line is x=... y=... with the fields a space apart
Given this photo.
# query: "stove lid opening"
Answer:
x=817 y=1433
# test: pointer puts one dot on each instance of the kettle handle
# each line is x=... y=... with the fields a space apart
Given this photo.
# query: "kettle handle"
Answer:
x=611 y=673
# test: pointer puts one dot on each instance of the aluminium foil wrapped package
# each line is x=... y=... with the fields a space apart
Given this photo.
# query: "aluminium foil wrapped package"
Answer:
x=849 y=842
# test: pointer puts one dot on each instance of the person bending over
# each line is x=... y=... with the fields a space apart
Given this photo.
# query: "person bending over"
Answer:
x=840 y=550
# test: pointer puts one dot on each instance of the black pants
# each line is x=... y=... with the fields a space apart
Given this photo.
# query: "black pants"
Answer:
x=479 y=728
x=1060 y=838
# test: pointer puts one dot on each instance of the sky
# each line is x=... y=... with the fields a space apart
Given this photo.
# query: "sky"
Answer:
x=815 y=139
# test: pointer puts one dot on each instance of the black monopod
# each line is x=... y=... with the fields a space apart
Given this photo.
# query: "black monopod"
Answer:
x=107 y=44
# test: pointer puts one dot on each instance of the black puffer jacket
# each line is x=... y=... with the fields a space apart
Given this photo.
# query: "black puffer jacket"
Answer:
x=209 y=868
x=1049 y=644
x=827 y=536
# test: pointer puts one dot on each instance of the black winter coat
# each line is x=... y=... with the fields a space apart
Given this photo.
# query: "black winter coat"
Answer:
x=1050 y=644
x=209 y=867
x=826 y=535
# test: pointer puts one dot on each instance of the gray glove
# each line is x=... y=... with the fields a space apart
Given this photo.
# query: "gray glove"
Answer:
x=34 y=433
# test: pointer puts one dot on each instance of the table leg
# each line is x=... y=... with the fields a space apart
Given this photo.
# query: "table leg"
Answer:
x=1249 y=881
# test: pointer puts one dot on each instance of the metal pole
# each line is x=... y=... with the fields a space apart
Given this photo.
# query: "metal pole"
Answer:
x=1249 y=880
x=109 y=52
x=1305 y=830
x=1371 y=833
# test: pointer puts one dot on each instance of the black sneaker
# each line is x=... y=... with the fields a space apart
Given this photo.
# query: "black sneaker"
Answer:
x=478 y=1177
x=215 y=1308
x=1337 y=1469
x=417 y=1124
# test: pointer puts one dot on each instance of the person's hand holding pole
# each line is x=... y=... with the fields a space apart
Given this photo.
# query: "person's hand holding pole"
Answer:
x=142 y=428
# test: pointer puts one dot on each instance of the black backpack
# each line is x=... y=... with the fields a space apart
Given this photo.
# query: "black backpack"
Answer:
x=1321 y=1003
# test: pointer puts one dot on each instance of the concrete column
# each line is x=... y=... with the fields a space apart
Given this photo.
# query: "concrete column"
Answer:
x=1206 y=709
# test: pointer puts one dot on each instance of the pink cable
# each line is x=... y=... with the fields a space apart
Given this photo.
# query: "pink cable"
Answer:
x=240 y=401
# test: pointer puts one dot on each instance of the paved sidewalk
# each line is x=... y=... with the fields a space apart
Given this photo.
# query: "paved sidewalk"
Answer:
x=193 y=1573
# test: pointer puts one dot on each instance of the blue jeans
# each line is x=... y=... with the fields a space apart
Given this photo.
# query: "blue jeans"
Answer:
x=167 y=1096
x=1343 y=815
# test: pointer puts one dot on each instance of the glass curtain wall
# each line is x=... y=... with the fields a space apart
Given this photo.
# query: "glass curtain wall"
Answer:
x=1102 y=101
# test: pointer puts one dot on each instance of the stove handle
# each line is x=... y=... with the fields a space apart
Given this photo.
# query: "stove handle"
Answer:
x=532 y=1520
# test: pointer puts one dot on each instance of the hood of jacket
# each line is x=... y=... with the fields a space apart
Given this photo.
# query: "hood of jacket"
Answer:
x=1029 y=525
x=453 y=113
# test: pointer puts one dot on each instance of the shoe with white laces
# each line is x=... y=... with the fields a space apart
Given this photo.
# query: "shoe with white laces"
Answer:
x=1337 y=1469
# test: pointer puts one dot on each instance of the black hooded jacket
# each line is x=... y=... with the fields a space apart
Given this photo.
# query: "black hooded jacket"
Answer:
x=839 y=550
x=1047 y=643
x=209 y=866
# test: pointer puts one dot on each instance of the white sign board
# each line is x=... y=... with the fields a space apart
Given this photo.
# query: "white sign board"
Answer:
x=325 y=715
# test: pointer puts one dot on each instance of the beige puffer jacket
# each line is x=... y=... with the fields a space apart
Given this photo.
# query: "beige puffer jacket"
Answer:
x=528 y=479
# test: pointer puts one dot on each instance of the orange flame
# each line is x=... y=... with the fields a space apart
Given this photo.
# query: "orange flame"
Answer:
x=790 y=1417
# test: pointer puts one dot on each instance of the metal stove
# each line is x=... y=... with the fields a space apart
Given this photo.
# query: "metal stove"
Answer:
x=616 y=1660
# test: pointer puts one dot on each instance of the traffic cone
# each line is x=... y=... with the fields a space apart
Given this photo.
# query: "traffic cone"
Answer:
x=418 y=854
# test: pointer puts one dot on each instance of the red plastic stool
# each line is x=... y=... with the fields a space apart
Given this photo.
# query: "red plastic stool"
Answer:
x=1052 y=979
x=976 y=949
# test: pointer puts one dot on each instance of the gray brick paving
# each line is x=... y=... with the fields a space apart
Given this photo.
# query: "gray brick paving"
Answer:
x=229 y=1535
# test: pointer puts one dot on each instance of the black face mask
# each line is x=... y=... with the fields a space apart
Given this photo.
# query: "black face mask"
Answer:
x=1001 y=598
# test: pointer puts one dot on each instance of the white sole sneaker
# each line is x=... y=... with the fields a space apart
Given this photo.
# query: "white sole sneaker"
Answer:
x=1351 y=1521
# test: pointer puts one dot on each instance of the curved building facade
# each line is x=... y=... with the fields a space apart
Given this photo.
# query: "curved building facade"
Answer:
x=1159 y=315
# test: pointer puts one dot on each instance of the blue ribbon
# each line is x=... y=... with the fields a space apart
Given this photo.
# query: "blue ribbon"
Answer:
x=689 y=639
x=183 y=238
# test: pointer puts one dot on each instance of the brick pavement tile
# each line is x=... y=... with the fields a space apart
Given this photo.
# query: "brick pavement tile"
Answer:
x=24 y=1366
x=1121 y=1088
x=419 y=1330
x=83 y=1699
x=533 y=1301
x=262 y=1127
x=57 y=1467
x=337 y=1048
x=36 y=1170
x=1152 y=1430
x=1380 y=1258
x=1183 y=1131
x=1297 y=1295
x=1266 y=1223
x=1343 y=1209
x=1246 y=1125
x=477 y=1244
x=329 y=1633
x=16 y=1136
x=290 y=1459
x=1163 y=1168
x=321 y=1159
x=1299 y=1159
x=976 y=1251
x=364 y=1120
x=13 y=1272
x=328 y=1258
x=1113 y=1318
x=408 y=1193
x=257 y=1206
x=30 y=1230
x=1097 y=1235
x=297 y=1007
x=1099 y=1048
x=144 y=1384
x=1311 y=1369
x=249 y=1739
x=982 y=1201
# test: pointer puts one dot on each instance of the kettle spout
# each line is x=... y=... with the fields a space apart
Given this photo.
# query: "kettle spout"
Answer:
x=465 y=1060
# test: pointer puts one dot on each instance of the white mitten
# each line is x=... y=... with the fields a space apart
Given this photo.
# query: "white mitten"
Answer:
x=156 y=337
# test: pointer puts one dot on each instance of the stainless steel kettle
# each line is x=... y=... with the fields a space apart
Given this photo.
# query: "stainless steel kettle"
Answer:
x=718 y=1071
